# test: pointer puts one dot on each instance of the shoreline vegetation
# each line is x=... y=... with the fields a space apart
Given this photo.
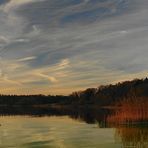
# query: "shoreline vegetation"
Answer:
x=131 y=111
x=128 y=101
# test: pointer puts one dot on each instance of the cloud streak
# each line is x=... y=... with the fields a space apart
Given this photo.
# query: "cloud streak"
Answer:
x=70 y=45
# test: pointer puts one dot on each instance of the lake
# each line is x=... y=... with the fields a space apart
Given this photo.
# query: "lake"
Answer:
x=65 y=132
x=84 y=128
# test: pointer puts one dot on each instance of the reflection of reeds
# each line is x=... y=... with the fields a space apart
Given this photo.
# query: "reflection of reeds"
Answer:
x=133 y=137
x=130 y=111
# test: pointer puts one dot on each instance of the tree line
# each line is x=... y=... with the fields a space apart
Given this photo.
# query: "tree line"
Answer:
x=104 y=95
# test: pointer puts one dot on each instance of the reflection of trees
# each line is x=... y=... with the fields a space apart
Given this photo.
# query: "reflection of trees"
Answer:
x=135 y=137
x=90 y=115
x=87 y=114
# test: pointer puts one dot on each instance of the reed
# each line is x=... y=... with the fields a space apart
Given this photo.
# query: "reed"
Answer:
x=130 y=110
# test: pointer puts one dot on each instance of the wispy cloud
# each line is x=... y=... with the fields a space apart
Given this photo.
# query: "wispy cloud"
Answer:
x=70 y=45
x=13 y=4
x=50 y=78
x=26 y=59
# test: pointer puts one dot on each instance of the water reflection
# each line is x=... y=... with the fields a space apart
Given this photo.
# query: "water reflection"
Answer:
x=104 y=117
x=128 y=136
x=53 y=132
x=89 y=115
x=135 y=137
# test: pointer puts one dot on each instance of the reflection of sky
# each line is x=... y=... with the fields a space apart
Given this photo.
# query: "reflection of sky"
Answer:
x=53 y=132
x=61 y=46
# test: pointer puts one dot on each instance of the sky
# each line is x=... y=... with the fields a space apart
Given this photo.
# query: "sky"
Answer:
x=61 y=46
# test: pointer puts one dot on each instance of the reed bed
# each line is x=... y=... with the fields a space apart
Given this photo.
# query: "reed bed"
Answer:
x=133 y=110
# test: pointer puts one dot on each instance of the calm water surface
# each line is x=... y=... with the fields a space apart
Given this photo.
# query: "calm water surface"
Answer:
x=65 y=132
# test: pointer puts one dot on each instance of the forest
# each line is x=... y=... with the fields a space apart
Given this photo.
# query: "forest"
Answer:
x=105 y=95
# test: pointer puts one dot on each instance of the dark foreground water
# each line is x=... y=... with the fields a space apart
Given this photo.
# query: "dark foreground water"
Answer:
x=58 y=128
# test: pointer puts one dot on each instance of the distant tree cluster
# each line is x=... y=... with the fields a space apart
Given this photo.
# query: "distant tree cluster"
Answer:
x=29 y=100
x=111 y=94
